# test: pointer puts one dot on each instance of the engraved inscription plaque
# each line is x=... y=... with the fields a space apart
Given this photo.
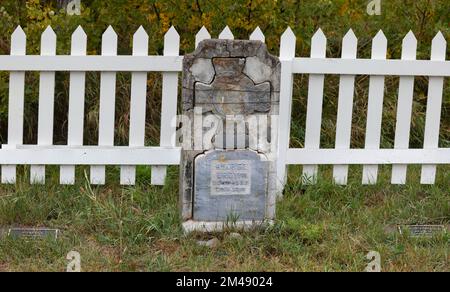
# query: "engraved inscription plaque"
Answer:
x=230 y=184
x=231 y=177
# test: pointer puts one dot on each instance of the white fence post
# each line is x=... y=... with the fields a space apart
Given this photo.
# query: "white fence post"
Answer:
x=107 y=104
x=16 y=104
x=46 y=104
x=287 y=54
x=314 y=108
x=169 y=105
x=138 y=104
x=404 y=108
x=76 y=104
x=345 y=107
x=434 y=108
x=375 y=108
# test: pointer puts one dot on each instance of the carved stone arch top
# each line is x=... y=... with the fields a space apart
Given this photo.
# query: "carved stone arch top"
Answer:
x=228 y=77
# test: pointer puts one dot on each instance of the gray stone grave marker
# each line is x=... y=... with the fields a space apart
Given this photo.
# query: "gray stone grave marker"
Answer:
x=230 y=111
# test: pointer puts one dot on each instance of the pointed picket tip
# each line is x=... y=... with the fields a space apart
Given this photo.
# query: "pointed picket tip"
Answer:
x=48 y=42
x=109 y=34
x=140 y=42
x=350 y=36
x=319 y=45
x=379 y=46
x=203 y=34
x=288 y=34
x=226 y=34
x=140 y=37
x=288 y=43
x=48 y=34
x=171 y=42
x=79 y=42
x=439 y=40
x=349 y=45
x=171 y=35
x=258 y=35
x=438 y=47
x=380 y=37
x=18 y=34
x=79 y=33
x=109 y=42
x=18 y=42
x=319 y=36
x=439 y=37
x=140 y=33
x=409 y=46
x=410 y=39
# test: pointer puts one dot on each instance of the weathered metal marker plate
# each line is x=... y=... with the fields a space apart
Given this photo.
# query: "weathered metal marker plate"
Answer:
x=423 y=230
x=33 y=233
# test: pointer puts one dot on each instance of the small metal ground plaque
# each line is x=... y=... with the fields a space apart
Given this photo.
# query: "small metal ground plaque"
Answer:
x=33 y=233
x=423 y=230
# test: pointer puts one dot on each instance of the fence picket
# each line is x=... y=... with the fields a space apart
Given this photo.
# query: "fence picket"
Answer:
x=16 y=104
x=258 y=35
x=107 y=104
x=287 y=54
x=404 y=108
x=76 y=104
x=203 y=34
x=375 y=108
x=314 y=107
x=434 y=108
x=137 y=106
x=46 y=104
x=345 y=107
x=226 y=34
x=169 y=105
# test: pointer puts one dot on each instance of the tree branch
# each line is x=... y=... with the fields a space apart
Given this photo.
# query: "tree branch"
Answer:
x=4 y=46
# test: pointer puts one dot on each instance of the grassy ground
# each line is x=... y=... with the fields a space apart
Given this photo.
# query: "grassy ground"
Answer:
x=319 y=228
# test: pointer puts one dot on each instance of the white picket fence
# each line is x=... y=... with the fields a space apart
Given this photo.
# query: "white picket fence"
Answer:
x=377 y=67
x=170 y=64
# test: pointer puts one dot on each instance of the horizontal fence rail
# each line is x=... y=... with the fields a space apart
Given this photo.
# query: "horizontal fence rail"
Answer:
x=368 y=156
x=317 y=66
x=89 y=155
x=92 y=63
x=370 y=67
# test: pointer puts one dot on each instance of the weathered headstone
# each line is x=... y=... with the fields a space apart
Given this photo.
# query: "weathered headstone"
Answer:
x=230 y=110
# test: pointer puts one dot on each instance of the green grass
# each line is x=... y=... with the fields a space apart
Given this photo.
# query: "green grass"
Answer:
x=319 y=228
